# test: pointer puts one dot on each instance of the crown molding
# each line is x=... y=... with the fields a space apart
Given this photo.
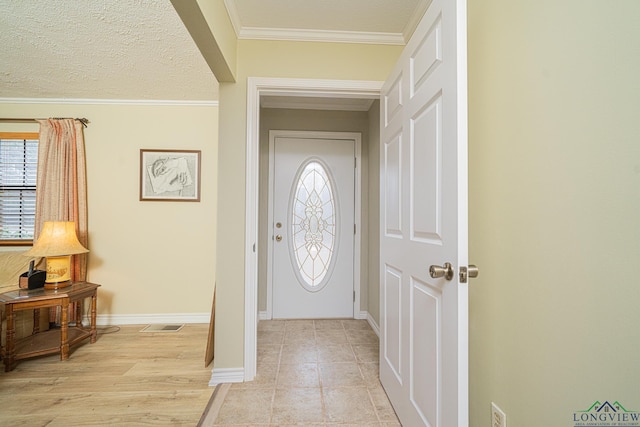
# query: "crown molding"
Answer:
x=234 y=17
x=254 y=33
x=75 y=101
x=292 y=34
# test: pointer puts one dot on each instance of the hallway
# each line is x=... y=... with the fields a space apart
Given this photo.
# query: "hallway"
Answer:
x=312 y=373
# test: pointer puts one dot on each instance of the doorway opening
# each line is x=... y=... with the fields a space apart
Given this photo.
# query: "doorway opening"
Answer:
x=301 y=90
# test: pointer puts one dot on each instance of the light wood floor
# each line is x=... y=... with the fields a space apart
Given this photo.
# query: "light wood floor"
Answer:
x=126 y=378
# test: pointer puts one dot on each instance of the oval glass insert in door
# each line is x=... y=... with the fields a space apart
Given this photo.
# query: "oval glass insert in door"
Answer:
x=313 y=225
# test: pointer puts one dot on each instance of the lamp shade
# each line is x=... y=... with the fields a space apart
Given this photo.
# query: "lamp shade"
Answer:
x=57 y=238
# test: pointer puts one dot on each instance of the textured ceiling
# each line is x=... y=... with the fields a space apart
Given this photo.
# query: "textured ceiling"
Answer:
x=140 y=49
x=99 y=49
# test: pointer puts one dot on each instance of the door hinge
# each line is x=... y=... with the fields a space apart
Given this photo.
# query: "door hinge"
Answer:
x=354 y=229
x=355 y=163
x=354 y=296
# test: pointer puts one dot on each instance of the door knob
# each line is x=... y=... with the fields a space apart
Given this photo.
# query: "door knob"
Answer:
x=278 y=238
x=446 y=271
x=468 y=273
x=473 y=271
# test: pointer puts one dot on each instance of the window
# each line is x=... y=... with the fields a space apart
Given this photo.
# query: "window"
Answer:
x=18 y=167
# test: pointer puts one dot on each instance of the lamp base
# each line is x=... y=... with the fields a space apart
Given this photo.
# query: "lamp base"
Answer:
x=58 y=270
x=57 y=285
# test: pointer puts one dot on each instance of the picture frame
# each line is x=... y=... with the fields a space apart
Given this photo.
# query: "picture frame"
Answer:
x=170 y=175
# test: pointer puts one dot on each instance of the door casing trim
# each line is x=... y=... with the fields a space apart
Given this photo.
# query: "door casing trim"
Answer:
x=256 y=87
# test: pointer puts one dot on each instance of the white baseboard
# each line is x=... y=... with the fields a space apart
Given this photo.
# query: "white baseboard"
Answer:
x=373 y=325
x=361 y=316
x=144 y=319
x=226 y=375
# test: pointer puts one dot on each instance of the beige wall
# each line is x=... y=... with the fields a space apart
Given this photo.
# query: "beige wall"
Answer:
x=211 y=29
x=554 y=207
x=266 y=59
x=215 y=13
x=150 y=257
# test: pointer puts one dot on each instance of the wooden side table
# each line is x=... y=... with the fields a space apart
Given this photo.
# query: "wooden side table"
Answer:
x=54 y=340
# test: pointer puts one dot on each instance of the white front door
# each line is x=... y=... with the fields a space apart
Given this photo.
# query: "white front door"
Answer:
x=312 y=227
x=424 y=320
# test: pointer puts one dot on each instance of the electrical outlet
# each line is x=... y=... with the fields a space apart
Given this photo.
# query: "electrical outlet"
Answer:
x=498 y=418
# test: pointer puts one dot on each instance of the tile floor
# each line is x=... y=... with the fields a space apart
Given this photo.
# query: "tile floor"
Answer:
x=317 y=373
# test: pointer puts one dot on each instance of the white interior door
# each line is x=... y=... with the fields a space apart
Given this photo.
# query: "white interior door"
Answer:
x=313 y=227
x=424 y=320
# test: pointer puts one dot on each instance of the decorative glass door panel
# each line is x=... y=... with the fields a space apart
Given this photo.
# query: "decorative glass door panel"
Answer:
x=313 y=225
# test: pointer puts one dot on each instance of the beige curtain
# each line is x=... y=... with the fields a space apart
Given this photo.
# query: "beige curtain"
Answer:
x=61 y=189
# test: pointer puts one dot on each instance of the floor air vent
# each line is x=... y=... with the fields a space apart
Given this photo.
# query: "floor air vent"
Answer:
x=162 y=328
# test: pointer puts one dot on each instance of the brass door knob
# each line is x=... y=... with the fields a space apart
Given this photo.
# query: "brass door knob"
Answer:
x=446 y=271
x=473 y=271
x=278 y=238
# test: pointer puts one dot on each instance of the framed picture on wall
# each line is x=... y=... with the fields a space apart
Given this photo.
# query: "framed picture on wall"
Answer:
x=170 y=175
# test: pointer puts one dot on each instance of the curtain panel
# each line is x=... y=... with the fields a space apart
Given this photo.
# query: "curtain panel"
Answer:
x=61 y=188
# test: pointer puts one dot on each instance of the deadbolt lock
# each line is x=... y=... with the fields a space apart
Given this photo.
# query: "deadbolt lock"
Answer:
x=278 y=238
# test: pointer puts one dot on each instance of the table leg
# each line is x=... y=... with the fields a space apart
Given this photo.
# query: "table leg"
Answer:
x=64 y=330
x=94 y=299
x=36 y=321
x=10 y=351
x=78 y=314
x=1 y=347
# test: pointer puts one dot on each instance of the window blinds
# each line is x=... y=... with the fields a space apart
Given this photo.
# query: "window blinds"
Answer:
x=18 y=169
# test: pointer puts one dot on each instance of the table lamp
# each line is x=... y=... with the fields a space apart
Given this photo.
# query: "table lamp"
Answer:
x=57 y=242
